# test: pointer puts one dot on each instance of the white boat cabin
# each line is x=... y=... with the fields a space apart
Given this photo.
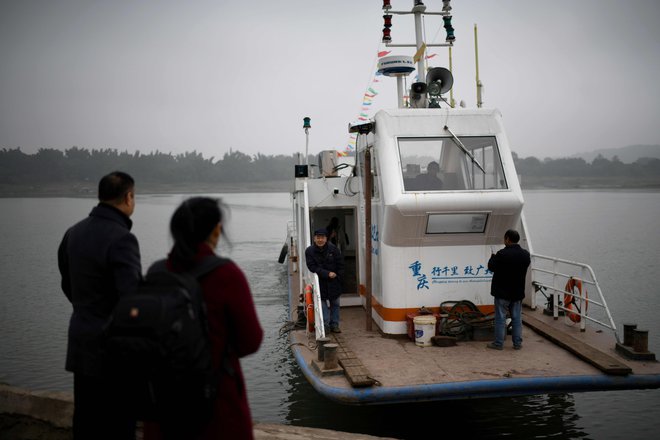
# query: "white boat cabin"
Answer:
x=444 y=191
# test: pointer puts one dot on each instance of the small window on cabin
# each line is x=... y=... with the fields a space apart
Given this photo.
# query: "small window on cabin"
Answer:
x=444 y=164
x=458 y=223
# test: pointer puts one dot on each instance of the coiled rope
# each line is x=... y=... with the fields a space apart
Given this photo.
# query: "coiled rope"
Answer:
x=462 y=317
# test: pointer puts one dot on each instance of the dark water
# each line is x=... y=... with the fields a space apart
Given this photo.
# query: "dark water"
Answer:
x=617 y=233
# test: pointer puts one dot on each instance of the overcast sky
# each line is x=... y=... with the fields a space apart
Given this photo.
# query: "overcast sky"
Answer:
x=209 y=75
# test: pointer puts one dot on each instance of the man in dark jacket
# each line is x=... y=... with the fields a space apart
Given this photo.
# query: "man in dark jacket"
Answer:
x=325 y=260
x=99 y=261
x=509 y=267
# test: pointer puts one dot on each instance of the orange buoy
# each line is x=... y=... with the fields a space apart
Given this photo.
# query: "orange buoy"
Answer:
x=309 y=307
x=569 y=299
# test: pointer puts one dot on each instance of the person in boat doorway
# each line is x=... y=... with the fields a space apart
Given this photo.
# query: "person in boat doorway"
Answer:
x=99 y=261
x=324 y=259
x=509 y=267
x=336 y=235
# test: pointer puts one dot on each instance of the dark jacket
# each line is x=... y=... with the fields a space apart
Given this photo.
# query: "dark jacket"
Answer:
x=322 y=261
x=99 y=260
x=509 y=267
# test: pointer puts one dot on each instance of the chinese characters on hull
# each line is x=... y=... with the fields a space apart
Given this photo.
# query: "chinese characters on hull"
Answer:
x=374 y=240
x=449 y=274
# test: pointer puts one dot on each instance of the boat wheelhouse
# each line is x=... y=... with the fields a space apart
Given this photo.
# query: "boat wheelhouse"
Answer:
x=431 y=239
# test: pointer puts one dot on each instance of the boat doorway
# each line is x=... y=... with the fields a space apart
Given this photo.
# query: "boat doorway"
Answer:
x=342 y=230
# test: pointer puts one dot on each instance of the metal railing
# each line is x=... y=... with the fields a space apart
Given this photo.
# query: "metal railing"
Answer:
x=303 y=235
x=565 y=279
x=319 y=326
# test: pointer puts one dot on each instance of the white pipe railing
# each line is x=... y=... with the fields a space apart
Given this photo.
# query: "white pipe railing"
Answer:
x=309 y=277
x=587 y=277
x=319 y=326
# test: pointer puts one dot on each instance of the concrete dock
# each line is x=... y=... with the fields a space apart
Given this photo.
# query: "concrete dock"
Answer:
x=47 y=415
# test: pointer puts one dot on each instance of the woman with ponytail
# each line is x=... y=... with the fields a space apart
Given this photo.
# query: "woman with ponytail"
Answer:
x=234 y=328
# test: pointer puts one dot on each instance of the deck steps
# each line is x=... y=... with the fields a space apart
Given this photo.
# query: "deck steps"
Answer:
x=603 y=361
x=356 y=373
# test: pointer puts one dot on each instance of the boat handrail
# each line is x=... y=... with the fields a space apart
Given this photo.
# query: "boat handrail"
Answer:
x=559 y=278
x=309 y=276
x=319 y=325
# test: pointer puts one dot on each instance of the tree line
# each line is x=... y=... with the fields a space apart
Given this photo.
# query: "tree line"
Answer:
x=578 y=167
x=75 y=164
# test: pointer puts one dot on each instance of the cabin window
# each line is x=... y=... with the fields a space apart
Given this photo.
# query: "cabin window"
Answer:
x=459 y=223
x=443 y=164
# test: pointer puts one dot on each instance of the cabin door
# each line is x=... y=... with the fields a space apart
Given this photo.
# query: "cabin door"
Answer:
x=341 y=224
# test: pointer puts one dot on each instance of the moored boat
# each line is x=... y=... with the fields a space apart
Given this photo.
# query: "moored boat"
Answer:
x=421 y=203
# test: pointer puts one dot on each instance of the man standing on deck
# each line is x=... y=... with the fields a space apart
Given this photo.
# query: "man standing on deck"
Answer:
x=99 y=261
x=509 y=267
x=325 y=260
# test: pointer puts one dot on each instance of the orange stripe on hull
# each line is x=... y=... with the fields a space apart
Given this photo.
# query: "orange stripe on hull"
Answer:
x=395 y=315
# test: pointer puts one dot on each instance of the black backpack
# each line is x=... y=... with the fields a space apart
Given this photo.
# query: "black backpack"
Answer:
x=157 y=342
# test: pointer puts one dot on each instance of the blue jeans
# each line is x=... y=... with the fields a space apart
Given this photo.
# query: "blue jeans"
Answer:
x=330 y=313
x=515 y=309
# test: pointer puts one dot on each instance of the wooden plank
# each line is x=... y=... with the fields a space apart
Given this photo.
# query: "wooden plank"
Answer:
x=350 y=362
x=356 y=373
x=603 y=361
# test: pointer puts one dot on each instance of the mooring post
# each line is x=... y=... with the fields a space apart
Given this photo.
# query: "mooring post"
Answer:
x=641 y=340
x=330 y=356
x=628 y=330
x=321 y=342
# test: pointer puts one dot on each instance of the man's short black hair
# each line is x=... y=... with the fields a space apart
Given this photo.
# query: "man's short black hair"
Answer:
x=512 y=235
x=114 y=186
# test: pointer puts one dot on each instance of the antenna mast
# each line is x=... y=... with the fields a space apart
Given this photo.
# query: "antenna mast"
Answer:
x=388 y=67
x=476 y=62
x=418 y=9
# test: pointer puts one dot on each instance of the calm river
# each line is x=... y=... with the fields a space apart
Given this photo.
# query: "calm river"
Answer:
x=616 y=232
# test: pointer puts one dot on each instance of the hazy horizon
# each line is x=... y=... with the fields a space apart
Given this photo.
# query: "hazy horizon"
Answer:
x=209 y=76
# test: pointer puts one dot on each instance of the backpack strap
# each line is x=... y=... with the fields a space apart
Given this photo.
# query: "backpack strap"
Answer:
x=208 y=264
x=205 y=266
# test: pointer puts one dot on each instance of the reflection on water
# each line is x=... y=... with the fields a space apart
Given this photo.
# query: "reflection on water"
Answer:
x=34 y=313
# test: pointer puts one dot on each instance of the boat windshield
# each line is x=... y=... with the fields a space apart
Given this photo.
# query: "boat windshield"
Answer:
x=441 y=164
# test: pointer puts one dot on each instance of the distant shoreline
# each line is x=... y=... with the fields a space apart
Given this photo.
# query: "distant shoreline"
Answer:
x=590 y=183
x=87 y=189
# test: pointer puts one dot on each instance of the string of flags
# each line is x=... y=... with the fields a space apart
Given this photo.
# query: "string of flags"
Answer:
x=365 y=110
x=367 y=102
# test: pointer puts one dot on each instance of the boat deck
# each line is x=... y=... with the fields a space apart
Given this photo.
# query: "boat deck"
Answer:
x=559 y=359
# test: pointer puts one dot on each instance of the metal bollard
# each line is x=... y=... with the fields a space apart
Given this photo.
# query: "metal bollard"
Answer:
x=628 y=330
x=320 y=346
x=641 y=341
x=330 y=356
